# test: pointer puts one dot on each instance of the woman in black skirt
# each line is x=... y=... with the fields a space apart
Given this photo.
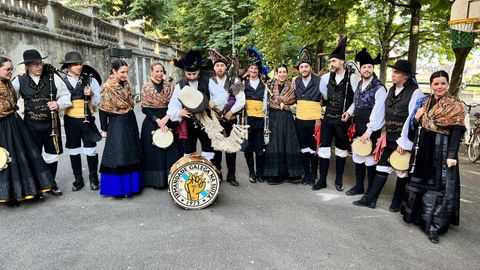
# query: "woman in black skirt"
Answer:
x=27 y=176
x=433 y=200
x=282 y=156
x=156 y=94
x=121 y=159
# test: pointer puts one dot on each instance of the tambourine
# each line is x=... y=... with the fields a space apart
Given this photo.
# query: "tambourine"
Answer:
x=192 y=99
x=162 y=139
x=400 y=162
x=193 y=182
x=4 y=158
x=360 y=148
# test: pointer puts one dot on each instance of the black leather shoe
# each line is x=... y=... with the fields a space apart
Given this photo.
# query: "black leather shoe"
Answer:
x=94 y=183
x=252 y=177
x=260 y=178
x=354 y=191
x=362 y=202
x=233 y=182
x=339 y=187
x=319 y=185
x=77 y=186
x=433 y=236
x=305 y=181
x=55 y=191
x=394 y=209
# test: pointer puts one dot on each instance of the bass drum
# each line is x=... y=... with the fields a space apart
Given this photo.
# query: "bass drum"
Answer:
x=193 y=182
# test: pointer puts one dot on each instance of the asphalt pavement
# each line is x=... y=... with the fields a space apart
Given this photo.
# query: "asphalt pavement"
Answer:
x=253 y=226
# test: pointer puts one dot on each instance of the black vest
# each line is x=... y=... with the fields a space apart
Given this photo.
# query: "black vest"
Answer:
x=254 y=94
x=336 y=96
x=396 y=109
x=364 y=103
x=203 y=83
x=77 y=91
x=36 y=97
x=309 y=93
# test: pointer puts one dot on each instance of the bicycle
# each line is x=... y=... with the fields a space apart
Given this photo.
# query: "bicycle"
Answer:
x=472 y=135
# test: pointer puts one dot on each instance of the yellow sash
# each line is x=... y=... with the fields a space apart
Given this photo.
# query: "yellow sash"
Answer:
x=254 y=108
x=309 y=110
x=77 y=109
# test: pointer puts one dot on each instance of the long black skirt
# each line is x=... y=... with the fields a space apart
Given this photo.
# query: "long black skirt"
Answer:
x=282 y=156
x=26 y=174
x=433 y=200
x=157 y=161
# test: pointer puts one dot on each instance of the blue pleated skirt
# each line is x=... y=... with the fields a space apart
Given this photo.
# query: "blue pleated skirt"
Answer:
x=121 y=185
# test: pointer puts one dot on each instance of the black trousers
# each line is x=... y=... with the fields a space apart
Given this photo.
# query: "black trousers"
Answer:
x=195 y=132
x=76 y=132
x=334 y=128
x=41 y=132
x=230 y=157
x=305 y=133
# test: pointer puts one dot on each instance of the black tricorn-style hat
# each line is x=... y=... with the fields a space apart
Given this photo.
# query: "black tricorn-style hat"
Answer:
x=192 y=61
x=365 y=58
x=404 y=66
x=71 y=58
x=216 y=56
x=31 y=56
x=339 y=51
x=304 y=56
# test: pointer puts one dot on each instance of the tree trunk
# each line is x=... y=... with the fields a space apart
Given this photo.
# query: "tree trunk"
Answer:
x=386 y=43
x=457 y=73
x=319 y=49
x=415 y=7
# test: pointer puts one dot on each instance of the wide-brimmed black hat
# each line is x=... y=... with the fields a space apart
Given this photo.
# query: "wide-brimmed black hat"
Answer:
x=404 y=66
x=192 y=61
x=71 y=58
x=339 y=51
x=365 y=58
x=31 y=56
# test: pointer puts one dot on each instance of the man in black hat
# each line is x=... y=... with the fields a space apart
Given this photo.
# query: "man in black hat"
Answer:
x=191 y=65
x=336 y=87
x=368 y=116
x=43 y=92
x=309 y=112
x=84 y=89
x=235 y=103
x=256 y=109
x=399 y=105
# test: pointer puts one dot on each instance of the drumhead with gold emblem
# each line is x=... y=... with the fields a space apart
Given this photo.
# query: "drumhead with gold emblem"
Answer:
x=4 y=158
x=162 y=139
x=193 y=182
x=362 y=149
x=400 y=162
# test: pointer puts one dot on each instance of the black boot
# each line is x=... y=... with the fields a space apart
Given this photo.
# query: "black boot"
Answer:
x=398 y=195
x=322 y=182
x=76 y=162
x=260 y=162
x=339 y=168
x=313 y=169
x=370 y=198
x=55 y=191
x=217 y=160
x=251 y=167
x=306 y=167
x=371 y=172
x=359 y=179
x=231 y=159
x=93 y=174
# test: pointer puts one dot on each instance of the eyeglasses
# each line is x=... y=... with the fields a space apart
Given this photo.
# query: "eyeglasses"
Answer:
x=9 y=69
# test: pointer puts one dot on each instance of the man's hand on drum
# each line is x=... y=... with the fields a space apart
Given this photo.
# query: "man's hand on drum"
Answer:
x=365 y=137
x=400 y=150
x=164 y=129
x=185 y=113
x=162 y=122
